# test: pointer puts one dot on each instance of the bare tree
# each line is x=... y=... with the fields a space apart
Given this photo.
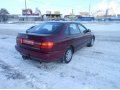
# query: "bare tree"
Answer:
x=3 y=15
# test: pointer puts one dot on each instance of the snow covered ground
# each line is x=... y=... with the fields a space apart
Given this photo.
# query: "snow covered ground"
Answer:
x=94 y=67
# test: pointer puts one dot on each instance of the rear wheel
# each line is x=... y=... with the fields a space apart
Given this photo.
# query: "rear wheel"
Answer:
x=68 y=55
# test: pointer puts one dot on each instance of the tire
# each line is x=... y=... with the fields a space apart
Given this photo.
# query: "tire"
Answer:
x=25 y=57
x=67 y=56
x=91 y=43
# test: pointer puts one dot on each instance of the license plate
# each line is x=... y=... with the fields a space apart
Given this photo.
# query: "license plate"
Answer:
x=30 y=42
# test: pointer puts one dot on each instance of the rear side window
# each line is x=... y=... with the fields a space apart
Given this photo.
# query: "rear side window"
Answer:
x=67 y=31
x=74 y=29
x=47 y=28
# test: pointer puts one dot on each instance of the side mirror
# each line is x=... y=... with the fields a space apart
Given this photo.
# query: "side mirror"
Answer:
x=86 y=31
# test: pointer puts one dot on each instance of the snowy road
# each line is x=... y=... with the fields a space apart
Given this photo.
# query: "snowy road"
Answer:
x=95 y=67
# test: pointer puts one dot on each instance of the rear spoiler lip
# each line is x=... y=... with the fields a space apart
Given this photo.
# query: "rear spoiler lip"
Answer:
x=35 y=34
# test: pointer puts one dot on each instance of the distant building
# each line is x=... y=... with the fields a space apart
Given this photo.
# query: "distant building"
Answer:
x=29 y=18
x=29 y=15
x=84 y=13
x=70 y=17
x=27 y=12
x=49 y=16
x=13 y=17
x=37 y=12
x=85 y=18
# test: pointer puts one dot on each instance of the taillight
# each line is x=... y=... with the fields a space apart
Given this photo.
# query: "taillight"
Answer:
x=47 y=45
x=19 y=40
x=44 y=45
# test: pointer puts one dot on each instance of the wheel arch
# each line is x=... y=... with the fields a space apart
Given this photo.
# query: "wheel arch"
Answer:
x=72 y=47
x=94 y=37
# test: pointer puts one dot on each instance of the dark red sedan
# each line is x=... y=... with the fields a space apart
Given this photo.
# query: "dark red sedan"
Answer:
x=51 y=41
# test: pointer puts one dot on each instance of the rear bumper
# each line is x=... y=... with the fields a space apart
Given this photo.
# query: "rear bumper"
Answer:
x=44 y=57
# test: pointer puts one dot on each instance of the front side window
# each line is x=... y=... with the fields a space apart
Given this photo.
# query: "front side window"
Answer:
x=82 y=29
x=74 y=29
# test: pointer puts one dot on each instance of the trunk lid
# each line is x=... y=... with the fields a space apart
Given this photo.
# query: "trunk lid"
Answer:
x=35 y=37
x=28 y=40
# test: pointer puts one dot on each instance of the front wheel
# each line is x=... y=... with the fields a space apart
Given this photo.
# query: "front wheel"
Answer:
x=68 y=55
x=91 y=43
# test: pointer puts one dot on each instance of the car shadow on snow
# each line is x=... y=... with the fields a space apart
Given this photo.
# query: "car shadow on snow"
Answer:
x=44 y=65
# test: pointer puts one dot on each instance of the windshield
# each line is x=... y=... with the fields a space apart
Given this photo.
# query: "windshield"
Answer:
x=46 y=28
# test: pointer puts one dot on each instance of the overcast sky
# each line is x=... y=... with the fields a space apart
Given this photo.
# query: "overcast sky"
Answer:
x=64 y=6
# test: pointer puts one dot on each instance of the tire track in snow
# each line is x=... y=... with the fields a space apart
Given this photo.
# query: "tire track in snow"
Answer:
x=30 y=80
x=10 y=72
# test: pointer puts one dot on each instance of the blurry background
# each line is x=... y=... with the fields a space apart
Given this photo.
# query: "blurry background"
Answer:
x=65 y=10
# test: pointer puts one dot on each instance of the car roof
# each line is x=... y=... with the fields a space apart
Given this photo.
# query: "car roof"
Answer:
x=64 y=22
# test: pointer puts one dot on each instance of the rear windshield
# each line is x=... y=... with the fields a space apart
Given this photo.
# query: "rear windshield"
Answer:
x=46 y=28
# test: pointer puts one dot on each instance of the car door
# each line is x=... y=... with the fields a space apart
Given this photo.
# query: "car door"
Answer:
x=75 y=35
x=86 y=36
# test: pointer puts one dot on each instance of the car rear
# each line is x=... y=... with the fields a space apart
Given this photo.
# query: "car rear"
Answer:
x=41 y=43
